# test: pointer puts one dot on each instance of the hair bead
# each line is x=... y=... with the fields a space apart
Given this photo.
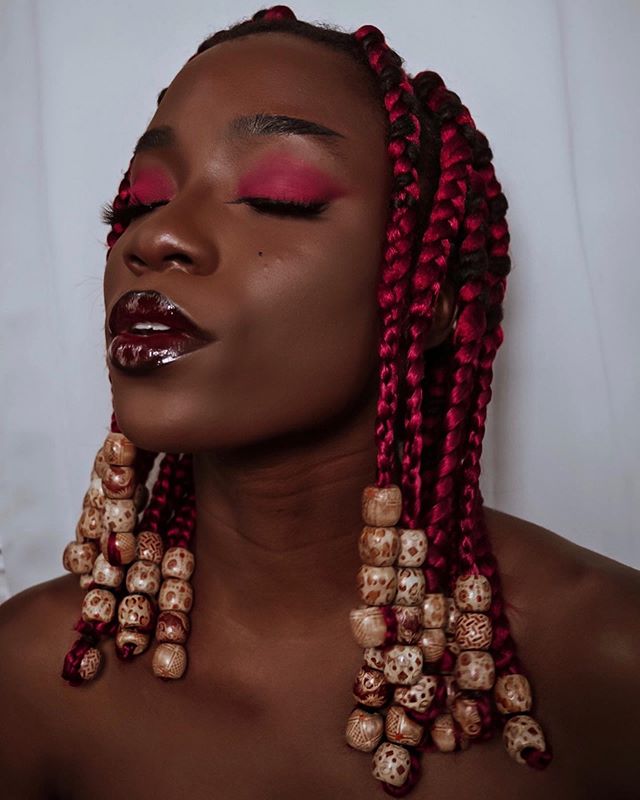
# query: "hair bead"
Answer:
x=378 y=547
x=434 y=610
x=391 y=763
x=522 y=732
x=369 y=626
x=178 y=562
x=371 y=688
x=475 y=670
x=136 y=611
x=474 y=631
x=106 y=574
x=408 y=623
x=79 y=557
x=118 y=450
x=90 y=664
x=472 y=593
x=419 y=696
x=413 y=547
x=377 y=585
x=149 y=547
x=512 y=694
x=99 y=605
x=381 y=506
x=172 y=626
x=169 y=660
x=401 y=729
x=403 y=664
x=364 y=730
x=144 y=576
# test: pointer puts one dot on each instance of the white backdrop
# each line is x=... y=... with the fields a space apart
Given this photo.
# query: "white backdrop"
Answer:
x=554 y=85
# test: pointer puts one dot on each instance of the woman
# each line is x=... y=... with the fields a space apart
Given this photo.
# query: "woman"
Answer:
x=251 y=327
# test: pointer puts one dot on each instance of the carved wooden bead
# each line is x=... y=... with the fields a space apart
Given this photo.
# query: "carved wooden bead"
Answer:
x=378 y=546
x=144 y=576
x=120 y=515
x=106 y=574
x=410 y=591
x=443 y=733
x=169 y=660
x=432 y=643
x=79 y=557
x=475 y=670
x=99 y=464
x=371 y=688
x=419 y=696
x=409 y=623
x=86 y=581
x=149 y=547
x=364 y=730
x=175 y=595
x=178 y=562
x=140 y=496
x=91 y=523
x=119 y=547
x=374 y=657
x=381 y=506
x=474 y=631
x=521 y=732
x=99 y=605
x=377 y=585
x=403 y=664
x=413 y=547
x=472 y=593
x=136 y=611
x=368 y=626
x=172 y=626
x=465 y=712
x=94 y=496
x=512 y=693
x=137 y=638
x=118 y=450
x=119 y=483
x=391 y=764
x=434 y=610
x=452 y=615
x=90 y=664
x=401 y=729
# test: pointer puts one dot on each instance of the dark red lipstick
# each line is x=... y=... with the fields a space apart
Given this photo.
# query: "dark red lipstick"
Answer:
x=147 y=330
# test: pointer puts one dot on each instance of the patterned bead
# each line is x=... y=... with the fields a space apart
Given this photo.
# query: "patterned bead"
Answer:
x=443 y=733
x=140 y=496
x=466 y=714
x=475 y=670
x=175 y=595
x=178 y=562
x=400 y=728
x=99 y=463
x=452 y=615
x=137 y=638
x=368 y=626
x=521 y=732
x=122 y=545
x=419 y=696
x=472 y=593
x=120 y=515
x=118 y=450
x=370 y=688
x=474 y=631
x=172 y=626
x=149 y=547
x=99 y=605
x=377 y=585
x=143 y=576
x=374 y=657
x=169 y=660
x=90 y=664
x=512 y=693
x=91 y=523
x=136 y=611
x=434 y=610
x=403 y=664
x=78 y=557
x=378 y=546
x=364 y=730
x=381 y=506
x=432 y=643
x=119 y=483
x=413 y=547
x=409 y=623
x=94 y=496
x=391 y=764
x=410 y=591
x=86 y=581
x=106 y=574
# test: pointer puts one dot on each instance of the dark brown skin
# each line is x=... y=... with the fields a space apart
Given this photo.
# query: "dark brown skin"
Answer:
x=280 y=413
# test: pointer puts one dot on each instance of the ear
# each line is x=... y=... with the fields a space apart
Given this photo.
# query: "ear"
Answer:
x=443 y=317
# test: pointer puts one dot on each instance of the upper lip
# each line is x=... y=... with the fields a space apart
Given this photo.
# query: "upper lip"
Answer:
x=150 y=306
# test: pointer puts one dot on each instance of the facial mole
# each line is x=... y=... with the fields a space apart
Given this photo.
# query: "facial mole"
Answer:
x=259 y=252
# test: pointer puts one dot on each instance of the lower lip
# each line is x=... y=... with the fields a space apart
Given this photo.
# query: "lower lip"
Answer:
x=133 y=352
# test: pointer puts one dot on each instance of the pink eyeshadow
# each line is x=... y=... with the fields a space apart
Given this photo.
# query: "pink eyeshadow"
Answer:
x=284 y=179
x=150 y=186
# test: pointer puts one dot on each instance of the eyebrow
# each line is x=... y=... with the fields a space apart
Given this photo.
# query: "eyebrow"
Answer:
x=248 y=126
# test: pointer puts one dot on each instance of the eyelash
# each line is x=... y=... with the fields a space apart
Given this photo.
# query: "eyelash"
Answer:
x=263 y=205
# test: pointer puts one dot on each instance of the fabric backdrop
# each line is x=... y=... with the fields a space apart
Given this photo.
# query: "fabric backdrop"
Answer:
x=554 y=86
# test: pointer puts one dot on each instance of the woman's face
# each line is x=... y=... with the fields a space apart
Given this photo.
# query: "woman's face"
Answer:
x=287 y=303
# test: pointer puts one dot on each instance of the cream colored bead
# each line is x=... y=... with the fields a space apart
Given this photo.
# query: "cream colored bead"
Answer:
x=410 y=591
x=391 y=764
x=378 y=546
x=172 y=626
x=99 y=464
x=120 y=515
x=123 y=544
x=413 y=547
x=374 y=657
x=99 y=605
x=521 y=732
x=91 y=523
x=371 y=688
x=381 y=506
x=136 y=611
x=90 y=664
x=452 y=615
x=419 y=696
x=443 y=733
x=432 y=643
x=403 y=664
x=377 y=585
x=144 y=576
x=475 y=670
x=118 y=450
x=94 y=496
x=401 y=729
x=86 y=581
x=466 y=714
x=79 y=557
x=474 y=631
x=106 y=574
x=409 y=623
x=178 y=562
x=137 y=638
x=175 y=595
x=368 y=626
x=512 y=693
x=364 y=730
x=169 y=660
x=472 y=593
x=434 y=610
x=149 y=547
x=119 y=483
